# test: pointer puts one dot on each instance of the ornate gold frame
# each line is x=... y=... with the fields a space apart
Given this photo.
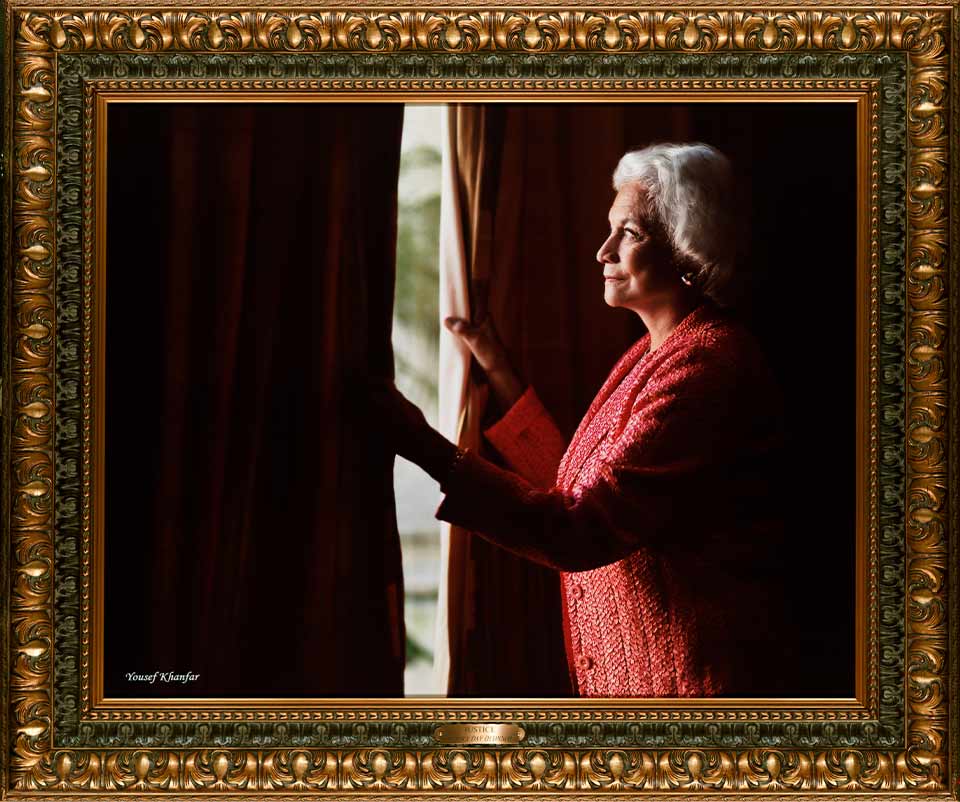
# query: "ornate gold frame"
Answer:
x=39 y=38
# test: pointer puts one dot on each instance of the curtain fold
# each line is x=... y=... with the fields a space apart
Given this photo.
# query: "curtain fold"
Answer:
x=454 y=359
x=266 y=533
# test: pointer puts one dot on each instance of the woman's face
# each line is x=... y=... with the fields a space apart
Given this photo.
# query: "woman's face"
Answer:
x=636 y=255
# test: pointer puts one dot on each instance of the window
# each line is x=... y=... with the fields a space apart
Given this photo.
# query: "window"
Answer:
x=416 y=352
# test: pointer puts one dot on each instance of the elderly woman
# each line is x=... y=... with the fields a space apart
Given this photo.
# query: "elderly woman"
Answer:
x=656 y=511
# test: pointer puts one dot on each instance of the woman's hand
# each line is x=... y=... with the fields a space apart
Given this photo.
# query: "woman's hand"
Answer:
x=485 y=345
x=407 y=431
x=402 y=421
x=483 y=342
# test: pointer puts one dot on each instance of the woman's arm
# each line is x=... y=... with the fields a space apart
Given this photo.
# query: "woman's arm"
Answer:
x=684 y=462
x=485 y=345
x=690 y=458
x=526 y=435
x=529 y=440
x=560 y=531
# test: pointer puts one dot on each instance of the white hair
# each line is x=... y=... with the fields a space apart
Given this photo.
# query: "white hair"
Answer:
x=690 y=188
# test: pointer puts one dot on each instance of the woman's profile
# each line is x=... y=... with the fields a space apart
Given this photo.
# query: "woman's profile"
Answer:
x=661 y=510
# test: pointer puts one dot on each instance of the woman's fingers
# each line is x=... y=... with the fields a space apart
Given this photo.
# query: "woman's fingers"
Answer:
x=460 y=327
x=491 y=356
x=481 y=339
x=471 y=335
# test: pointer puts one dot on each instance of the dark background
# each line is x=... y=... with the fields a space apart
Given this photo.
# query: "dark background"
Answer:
x=250 y=520
x=796 y=166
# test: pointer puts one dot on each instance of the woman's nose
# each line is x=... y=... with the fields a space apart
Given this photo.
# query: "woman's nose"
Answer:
x=607 y=253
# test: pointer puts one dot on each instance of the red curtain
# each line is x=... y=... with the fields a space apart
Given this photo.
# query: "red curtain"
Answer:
x=250 y=527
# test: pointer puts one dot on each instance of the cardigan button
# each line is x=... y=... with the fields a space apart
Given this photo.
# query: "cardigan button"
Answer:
x=584 y=663
x=577 y=592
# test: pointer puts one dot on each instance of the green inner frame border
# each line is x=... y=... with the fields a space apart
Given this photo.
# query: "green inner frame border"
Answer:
x=887 y=67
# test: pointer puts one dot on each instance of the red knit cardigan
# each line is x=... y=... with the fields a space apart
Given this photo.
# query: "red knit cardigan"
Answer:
x=650 y=514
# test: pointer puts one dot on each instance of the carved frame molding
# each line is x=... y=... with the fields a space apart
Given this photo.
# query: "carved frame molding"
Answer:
x=38 y=36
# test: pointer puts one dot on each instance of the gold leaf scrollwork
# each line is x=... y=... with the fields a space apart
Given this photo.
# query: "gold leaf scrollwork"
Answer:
x=626 y=31
x=375 y=33
x=271 y=30
x=544 y=33
x=32 y=580
x=924 y=522
x=538 y=770
x=844 y=770
x=31 y=437
x=849 y=31
x=34 y=424
x=158 y=30
x=460 y=770
x=293 y=34
x=220 y=770
x=617 y=770
x=67 y=771
x=316 y=31
x=927 y=189
x=928 y=107
x=924 y=36
x=148 y=32
x=142 y=771
x=928 y=697
x=855 y=770
x=464 y=33
x=927 y=433
x=699 y=33
x=33 y=769
x=81 y=31
x=33 y=182
x=274 y=31
x=926 y=276
x=696 y=769
x=236 y=30
x=197 y=31
x=784 y=31
x=45 y=29
x=76 y=771
x=300 y=770
x=921 y=33
x=35 y=485
x=925 y=525
x=922 y=768
x=32 y=31
x=379 y=770
x=926 y=371
x=830 y=769
x=772 y=771
x=928 y=612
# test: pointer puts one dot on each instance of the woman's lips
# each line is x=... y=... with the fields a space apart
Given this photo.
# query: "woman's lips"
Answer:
x=612 y=278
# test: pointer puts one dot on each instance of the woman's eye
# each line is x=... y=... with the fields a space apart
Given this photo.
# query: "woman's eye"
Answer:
x=632 y=232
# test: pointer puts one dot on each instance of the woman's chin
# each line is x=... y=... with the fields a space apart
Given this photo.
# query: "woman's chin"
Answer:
x=612 y=298
x=621 y=297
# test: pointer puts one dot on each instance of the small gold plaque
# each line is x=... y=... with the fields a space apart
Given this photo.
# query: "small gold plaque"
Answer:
x=508 y=734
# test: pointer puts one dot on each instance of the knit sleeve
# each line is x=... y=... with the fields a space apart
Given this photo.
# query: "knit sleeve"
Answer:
x=529 y=440
x=669 y=472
